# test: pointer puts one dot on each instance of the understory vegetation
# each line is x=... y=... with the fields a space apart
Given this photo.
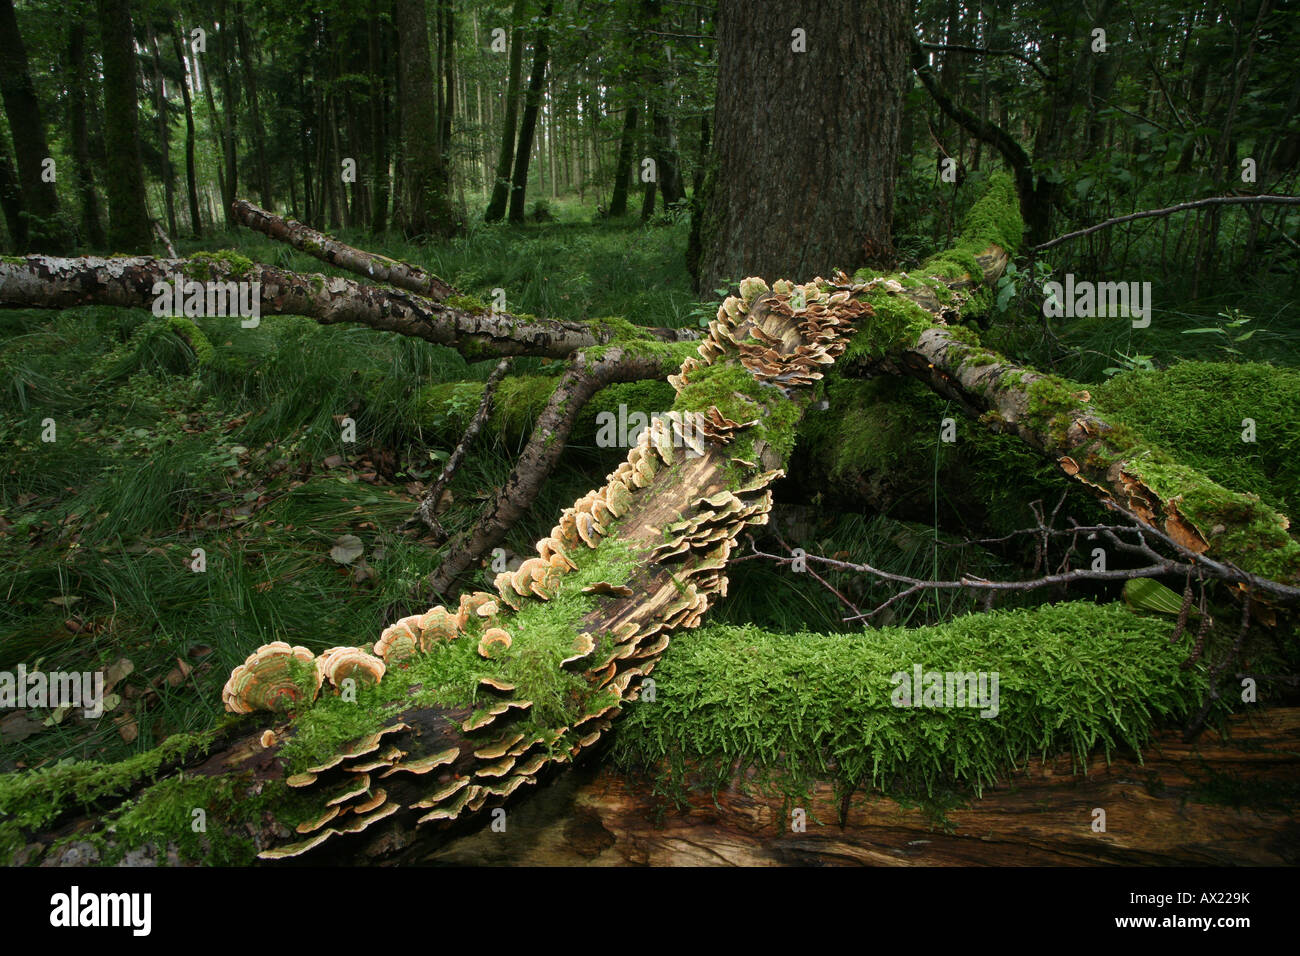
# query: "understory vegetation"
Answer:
x=174 y=436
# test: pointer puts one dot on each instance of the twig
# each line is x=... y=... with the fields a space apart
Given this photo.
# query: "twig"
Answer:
x=982 y=51
x=582 y=379
x=1169 y=210
x=162 y=236
x=426 y=511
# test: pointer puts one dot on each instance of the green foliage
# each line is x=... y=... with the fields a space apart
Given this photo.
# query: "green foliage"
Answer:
x=36 y=798
x=1072 y=677
x=1196 y=411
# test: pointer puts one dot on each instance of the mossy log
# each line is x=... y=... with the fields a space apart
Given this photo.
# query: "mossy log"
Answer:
x=478 y=701
x=1222 y=801
x=51 y=282
x=492 y=695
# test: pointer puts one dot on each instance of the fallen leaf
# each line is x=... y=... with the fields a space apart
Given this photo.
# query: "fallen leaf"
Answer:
x=118 y=670
x=347 y=549
x=127 y=728
x=18 y=726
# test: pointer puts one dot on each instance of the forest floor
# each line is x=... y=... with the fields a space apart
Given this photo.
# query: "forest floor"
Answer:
x=158 y=454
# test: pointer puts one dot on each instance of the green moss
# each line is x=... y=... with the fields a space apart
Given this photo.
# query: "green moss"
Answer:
x=896 y=323
x=876 y=427
x=226 y=263
x=468 y=303
x=742 y=398
x=1250 y=534
x=35 y=798
x=995 y=218
x=164 y=816
x=542 y=634
x=1051 y=399
x=204 y=353
x=1072 y=678
x=1197 y=409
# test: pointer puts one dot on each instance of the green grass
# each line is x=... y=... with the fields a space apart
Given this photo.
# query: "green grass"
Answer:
x=168 y=442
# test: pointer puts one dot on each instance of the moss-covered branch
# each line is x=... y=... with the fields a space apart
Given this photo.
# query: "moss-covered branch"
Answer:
x=50 y=282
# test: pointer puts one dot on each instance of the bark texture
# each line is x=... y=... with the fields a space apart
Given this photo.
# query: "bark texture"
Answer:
x=1177 y=806
x=40 y=228
x=128 y=214
x=424 y=208
x=809 y=172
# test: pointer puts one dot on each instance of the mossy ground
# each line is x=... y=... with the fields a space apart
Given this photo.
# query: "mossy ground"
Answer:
x=1197 y=411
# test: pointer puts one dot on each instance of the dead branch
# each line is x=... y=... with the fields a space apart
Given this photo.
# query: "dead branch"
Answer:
x=51 y=282
x=583 y=378
x=1170 y=210
x=426 y=510
x=326 y=248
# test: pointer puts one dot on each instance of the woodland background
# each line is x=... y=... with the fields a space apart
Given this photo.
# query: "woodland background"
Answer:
x=536 y=148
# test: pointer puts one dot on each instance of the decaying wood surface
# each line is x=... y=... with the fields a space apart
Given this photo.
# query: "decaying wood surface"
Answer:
x=1176 y=807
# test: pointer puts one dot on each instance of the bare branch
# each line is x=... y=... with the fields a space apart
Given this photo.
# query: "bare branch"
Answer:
x=1170 y=210
x=426 y=511
x=326 y=248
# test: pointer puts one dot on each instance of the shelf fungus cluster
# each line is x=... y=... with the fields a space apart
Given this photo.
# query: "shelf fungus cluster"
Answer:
x=677 y=500
x=784 y=336
x=277 y=677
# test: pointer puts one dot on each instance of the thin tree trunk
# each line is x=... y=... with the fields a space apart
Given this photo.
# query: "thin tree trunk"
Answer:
x=496 y=209
x=92 y=227
x=41 y=230
x=191 y=172
x=164 y=133
x=246 y=61
x=425 y=206
x=528 y=125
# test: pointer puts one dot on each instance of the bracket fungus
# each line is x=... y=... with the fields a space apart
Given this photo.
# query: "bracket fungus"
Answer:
x=266 y=680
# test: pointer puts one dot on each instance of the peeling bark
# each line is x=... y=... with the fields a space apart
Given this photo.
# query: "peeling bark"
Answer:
x=49 y=282
x=326 y=248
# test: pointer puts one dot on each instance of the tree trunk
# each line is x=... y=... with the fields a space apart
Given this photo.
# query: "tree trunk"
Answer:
x=164 y=133
x=378 y=117
x=631 y=564
x=246 y=61
x=191 y=172
x=1169 y=815
x=833 y=143
x=496 y=209
x=229 y=111
x=92 y=227
x=41 y=229
x=424 y=207
x=11 y=199
x=623 y=168
x=532 y=102
x=128 y=213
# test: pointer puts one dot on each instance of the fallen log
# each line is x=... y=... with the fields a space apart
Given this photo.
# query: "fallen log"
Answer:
x=1222 y=801
x=450 y=713
x=51 y=282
